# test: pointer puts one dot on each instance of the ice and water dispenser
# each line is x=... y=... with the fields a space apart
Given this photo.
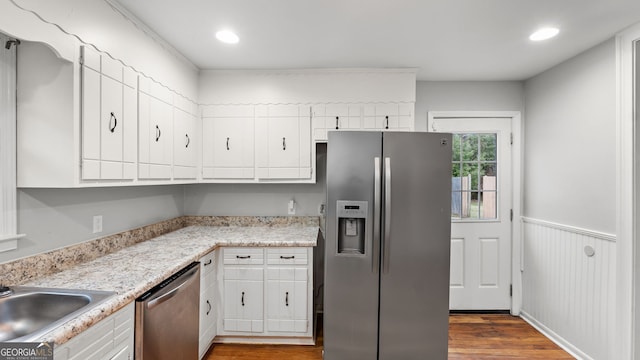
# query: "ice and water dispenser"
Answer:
x=352 y=218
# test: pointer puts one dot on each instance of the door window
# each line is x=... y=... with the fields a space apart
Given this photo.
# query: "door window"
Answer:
x=474 y=185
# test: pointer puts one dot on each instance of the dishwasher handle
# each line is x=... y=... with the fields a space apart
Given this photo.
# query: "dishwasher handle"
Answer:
x=172 y=288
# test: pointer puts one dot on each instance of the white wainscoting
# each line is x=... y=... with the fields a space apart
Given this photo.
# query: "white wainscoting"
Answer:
x=568 y=295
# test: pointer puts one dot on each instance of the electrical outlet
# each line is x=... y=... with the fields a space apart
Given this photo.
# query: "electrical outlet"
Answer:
x=97 y=224
x=321 y=209
x=291 y=209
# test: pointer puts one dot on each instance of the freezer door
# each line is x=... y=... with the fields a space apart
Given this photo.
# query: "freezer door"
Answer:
x=351 y=278
x=414 y=284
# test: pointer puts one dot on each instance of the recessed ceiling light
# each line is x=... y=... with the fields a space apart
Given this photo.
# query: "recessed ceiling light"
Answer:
x=544 y=34
x=227 y=37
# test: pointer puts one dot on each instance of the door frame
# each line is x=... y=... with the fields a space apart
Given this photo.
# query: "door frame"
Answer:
x=516 y=190
x=628 y=205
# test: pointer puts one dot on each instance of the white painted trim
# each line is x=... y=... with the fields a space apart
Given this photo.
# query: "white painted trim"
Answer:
x=576 y=230
x=516 y=188
x=628 y=301
x=557 y=339
x=8 y=125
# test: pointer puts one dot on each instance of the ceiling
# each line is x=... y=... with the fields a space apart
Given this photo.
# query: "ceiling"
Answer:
x=449 y=40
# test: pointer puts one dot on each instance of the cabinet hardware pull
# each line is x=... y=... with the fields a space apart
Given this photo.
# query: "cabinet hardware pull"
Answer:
x=286 y=298
x=227 y=143
x=242 y=299
x=284 y=144
x=158 y=133
x=188 y=140
x=243 y=257
x=207 y=263
x=287 y=257
x=387 y=122
x=208 y=310
x=337 y=127
x=115 y=122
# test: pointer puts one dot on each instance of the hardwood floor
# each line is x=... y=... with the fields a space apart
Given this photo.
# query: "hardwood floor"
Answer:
x=477 y=337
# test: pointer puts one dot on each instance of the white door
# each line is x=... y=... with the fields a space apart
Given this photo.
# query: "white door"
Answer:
x=480 y=212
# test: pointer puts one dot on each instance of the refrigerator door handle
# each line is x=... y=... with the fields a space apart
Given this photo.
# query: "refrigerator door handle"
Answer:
x=387 y=215
x=377 y=197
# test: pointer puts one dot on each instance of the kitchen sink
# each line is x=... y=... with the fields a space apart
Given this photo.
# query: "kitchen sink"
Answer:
x=30 y=312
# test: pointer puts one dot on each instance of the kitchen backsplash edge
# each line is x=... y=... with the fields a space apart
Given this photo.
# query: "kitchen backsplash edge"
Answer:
x=23 y=270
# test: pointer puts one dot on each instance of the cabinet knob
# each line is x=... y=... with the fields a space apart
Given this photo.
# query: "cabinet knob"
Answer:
x=284 y=144
x=158 y=133
x=227 y=144
x=386 y=122
x=337 y=123
x=242 y=299
x=286 y=298
x=207 y=263
x=287 y=257
x=209 y=309
x=243 y=257
x=188 y=140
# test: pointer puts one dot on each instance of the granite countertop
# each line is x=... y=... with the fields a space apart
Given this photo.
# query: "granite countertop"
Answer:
x=135 y=269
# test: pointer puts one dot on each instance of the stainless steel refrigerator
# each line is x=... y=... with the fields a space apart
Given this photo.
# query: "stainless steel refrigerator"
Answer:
x=387 y=246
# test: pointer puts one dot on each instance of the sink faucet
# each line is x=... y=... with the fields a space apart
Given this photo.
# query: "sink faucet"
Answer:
x=5 y=291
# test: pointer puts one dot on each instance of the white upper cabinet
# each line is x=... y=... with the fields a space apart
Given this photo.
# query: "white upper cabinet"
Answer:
x=283 y=146
x=335 y=117
x=185 y=145
x=228 y=142
x=155 y=121
x=388 y=117
x=109 y=118
x=369 y=117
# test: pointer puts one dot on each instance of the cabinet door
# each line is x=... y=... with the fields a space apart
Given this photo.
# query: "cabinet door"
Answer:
x=287 y=299
x=90 y=123
x=318 y=123
x=229 y=150
x=155 y=138
x=285 y=151
x=284 y=142
x=208 y=324
x=184 y=145
x=111 y=125
x=160 y=115
x=111 y=119
x=243 y=299
x=123 y=354
x=130 y=129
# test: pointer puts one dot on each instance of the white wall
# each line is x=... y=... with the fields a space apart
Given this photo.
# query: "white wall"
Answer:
x=258 y=199
x=570 y=202
x=55 y=218
x=307 y=86
x=466 y=96
x=570 y=142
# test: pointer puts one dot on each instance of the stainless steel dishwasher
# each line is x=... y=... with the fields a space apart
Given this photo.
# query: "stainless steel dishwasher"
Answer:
x=167 y=318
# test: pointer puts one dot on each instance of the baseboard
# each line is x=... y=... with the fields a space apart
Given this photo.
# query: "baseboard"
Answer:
x=557 y=339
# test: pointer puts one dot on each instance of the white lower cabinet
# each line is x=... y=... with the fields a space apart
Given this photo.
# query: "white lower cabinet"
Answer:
x=266 y=301
x=243 y=299
x=207 y=302
x=110 y=339
x=287 y=299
